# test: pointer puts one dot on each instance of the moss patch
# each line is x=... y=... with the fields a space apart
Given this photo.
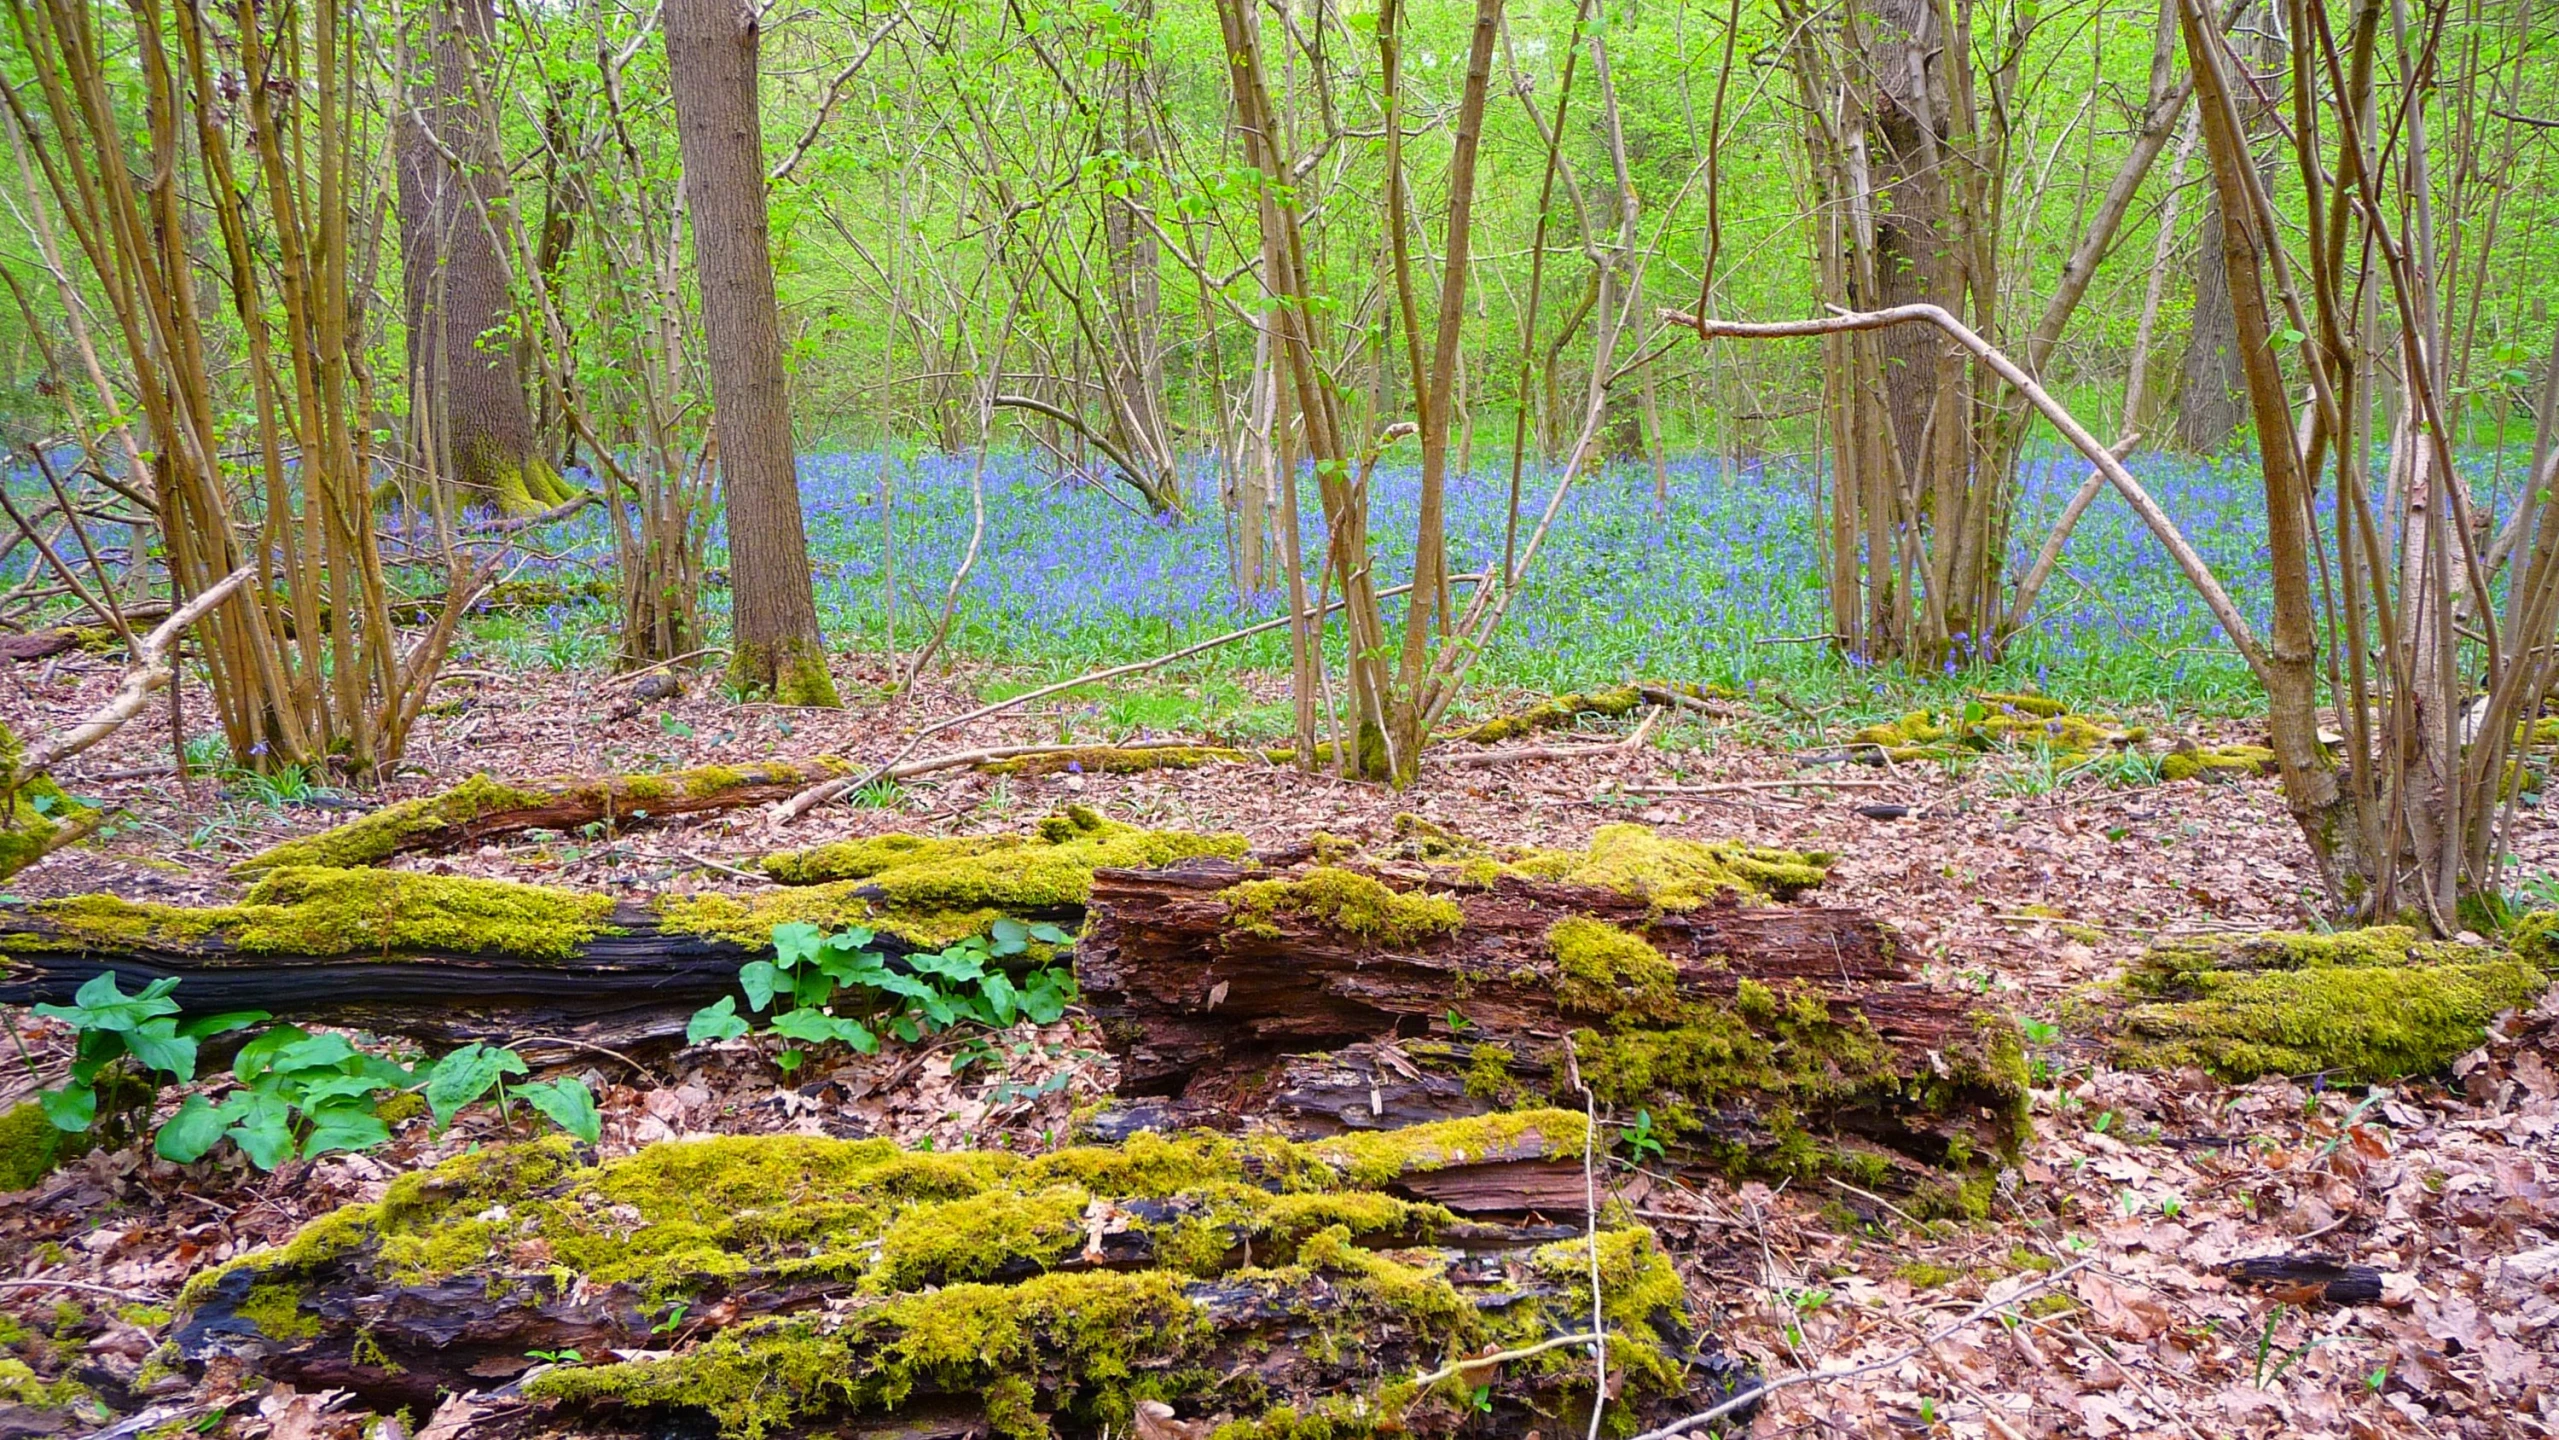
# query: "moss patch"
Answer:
x=1602 y=970
x=2366 y=1005
x=1347 y=901
x=2217 y=762
x=930 y=891
x=31 y=815
x=29 y=1147
x=313 y=910
x=1994 y=721
x=1117 y=759
x=1677 y=874
x=1554 y=714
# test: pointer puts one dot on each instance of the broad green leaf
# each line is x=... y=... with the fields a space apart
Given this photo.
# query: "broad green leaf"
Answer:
x=570 y=1105
x=156 y=1043
x=1006 y=928
x=205 y=1027
x=463 y=1077
x=100 y=1005
x=717 y=1021
x=266 y=1139
x=1001 y=999
x=794 y=942
x=314 y=1052
x=187 y=1135
x=343 y=1127
x=73 y=1107
x=759 y=979
x=1048 y=934
x=256 y=1056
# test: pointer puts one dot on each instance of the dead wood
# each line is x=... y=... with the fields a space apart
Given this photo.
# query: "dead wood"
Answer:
x=1774 y=1038
x=781 y=1281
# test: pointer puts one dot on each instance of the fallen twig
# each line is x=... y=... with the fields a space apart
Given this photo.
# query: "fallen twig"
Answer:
x=1726 y=787
x=150 y=671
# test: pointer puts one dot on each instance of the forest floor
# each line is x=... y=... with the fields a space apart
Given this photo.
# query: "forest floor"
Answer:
x=2029 y=885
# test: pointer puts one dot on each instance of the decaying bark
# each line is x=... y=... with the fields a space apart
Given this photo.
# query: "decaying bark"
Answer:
x=1242 y=1276
x=1790 y=1038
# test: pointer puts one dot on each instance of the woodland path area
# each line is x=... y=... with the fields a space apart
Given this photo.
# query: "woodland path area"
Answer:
x=2158 y=1182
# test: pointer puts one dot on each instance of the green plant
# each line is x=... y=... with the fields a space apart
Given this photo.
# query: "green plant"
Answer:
x=813 y=979
x=1641 y=1140
x=285 y=785
x=127 y=1044
x=301 y=1095
x=462 y=1077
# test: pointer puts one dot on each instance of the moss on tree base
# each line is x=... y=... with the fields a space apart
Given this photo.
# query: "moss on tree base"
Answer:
x=2361 y=1005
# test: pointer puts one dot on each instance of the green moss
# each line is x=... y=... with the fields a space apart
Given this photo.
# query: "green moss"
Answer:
x=20 y=1385
x=1345 y=900
x=1117 y=759
x=1602 y=970
x=276 y=1309
x=1926 y=1275
x=2374 y=1004
x=1554 y=714
x=932 y=891
x=1488 y=1075
x=31 y=815
x=1995 y=721
x=1637 y=1282
x=309 y=910
x=1677 y=874
x=972 y=1239
x=149 y=1317
x=394 y=829
x=2219 y=760
x=1372 y=1158
x=791 y=672
x=29 y=1147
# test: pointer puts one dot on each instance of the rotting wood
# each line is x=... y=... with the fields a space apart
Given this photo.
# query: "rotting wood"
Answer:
x=1247 y=1275
x=1774 y=1039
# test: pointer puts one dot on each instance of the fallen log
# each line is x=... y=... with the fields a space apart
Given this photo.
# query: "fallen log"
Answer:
x=771 y=1282
x=1788 y=1040
x=454 y=959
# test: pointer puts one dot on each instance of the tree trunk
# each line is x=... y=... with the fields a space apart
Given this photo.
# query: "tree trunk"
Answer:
x=472 y=419
x=1910 y=212
x=2211 y=398
x=776 y=649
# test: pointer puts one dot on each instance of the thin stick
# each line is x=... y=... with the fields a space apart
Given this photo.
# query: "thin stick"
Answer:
x=817 y=795
x=1811 y=1377
x=1455 y=1368
x=1729 y=787
x=150 y=671
x=146 y=1296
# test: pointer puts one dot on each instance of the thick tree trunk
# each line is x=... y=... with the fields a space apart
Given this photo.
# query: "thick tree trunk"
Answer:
x=1910 y=212
x=1764 y=1037
x=2211 y=399
x=776 y=648
x=463 y=367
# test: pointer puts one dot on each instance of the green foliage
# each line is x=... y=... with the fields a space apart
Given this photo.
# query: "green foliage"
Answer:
x=835 y=989
x=128 y=1046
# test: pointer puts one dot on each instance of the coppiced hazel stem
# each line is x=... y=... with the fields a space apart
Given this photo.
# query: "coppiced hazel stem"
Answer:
x=151 y=670
x=2197 y=571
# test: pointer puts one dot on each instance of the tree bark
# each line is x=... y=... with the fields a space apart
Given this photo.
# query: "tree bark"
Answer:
x=473 y=418
x=1910 y=213
x=1216 y=1006
x=2211 y=398
x=776 y=648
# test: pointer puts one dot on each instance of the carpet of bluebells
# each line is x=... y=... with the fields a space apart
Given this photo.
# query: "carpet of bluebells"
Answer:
x=1070 y=576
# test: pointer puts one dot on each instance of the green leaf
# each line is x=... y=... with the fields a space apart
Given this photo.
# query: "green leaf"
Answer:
x=187 y=1135
x=795 y=941
x=1001 y=998
x=344 y=1127
x=314 y=1052
x=570 y=1105
x=1044 y=997
x=1048 y=934
x=206 y=1026
x=156 y=1043
x=465 y=1076
x=717 y=1021
x=266 y=1140
x=100 y=1005
x=73 y=1107
x=759 y=979
x=256 y=1056
x=1007 y=929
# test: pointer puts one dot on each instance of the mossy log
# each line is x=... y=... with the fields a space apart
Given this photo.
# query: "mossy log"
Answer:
x=1756 y=1038
x=453 y=959
x=771 y=1283
x=483 y=808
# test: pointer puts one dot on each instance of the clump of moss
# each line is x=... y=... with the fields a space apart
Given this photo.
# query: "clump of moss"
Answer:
x=1997 y=720
x=21 y=1385
x=1926 y=1275
x=1554 y=714
x=276 y=1309
x=2216 y=762
x=31 y=814
x=2367 y=1005
x=1602 y=970
x=1355 y=904
x=30 y=1147
x=1117 y=759
x=1677 y=874
x=313 y=910
x=932 y=891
